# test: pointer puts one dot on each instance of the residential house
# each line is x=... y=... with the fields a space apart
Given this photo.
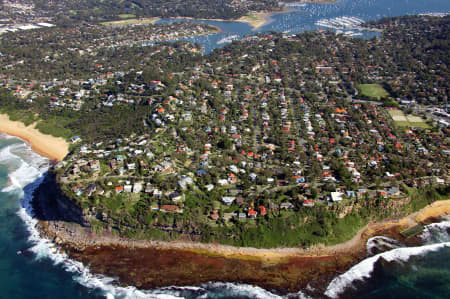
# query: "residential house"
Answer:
x=228 y=200
x=137 y=187
x=175 y=196
x=252 y=214
x=286 y=206
x=336 y=196
x=127 y=188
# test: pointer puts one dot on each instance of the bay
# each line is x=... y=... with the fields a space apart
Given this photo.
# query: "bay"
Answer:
x=304 y=18
x=27 y=269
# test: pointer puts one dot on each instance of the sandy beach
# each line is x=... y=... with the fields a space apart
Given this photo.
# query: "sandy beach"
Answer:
x=46 y=145
x=255 y=19
x=258 y=19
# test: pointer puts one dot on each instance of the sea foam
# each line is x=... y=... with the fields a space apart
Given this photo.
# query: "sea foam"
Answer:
x=436 y=232
x=381 y=243
x=24 y=166
x=45 y=249
x=365 y=268
x=26 y=172
x=28 y=176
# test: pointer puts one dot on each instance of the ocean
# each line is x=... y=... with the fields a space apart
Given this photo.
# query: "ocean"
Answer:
x=31 y=267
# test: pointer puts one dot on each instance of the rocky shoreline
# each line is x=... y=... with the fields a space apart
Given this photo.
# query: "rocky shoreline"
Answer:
x=150 y=264
x=157 y=265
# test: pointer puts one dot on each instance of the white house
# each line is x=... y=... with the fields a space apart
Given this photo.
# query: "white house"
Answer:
x=336 y=196
x=137 y=187
x=228 y=200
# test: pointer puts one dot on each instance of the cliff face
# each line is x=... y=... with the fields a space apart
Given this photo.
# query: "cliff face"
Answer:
x=70 y=211
x=50 y=203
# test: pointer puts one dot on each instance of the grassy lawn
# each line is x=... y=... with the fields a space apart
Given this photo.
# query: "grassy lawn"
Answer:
x=131 y=22
x=403 y=121
x=127 y=16
x=416 y=121
x=252 y=18
x=114 y=203
x=372 y=90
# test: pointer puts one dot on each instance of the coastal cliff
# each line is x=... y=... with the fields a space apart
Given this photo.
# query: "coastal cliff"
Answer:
x=149 y=264
x=50 y=203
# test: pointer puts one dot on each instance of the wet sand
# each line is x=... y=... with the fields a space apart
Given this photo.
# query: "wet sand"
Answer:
x=258 y=19
x=255 y=19
x=46 y=145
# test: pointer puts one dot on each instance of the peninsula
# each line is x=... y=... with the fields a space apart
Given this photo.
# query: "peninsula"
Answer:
x=279 y=147
x=151 y=264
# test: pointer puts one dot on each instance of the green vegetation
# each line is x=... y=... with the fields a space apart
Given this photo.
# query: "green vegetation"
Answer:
x=131 y=22
x=410 y=121
x=55 y=126
x=112 y=9
x=127 y=16
x=422 y=197
x=412 y=231
x=372 y=90
x=321 y=226
x=114 y=204
x=23 y=116
x=253 y=19
x=253 y=145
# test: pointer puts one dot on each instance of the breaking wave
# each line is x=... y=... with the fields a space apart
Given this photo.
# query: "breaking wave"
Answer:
x=437 y=232
x=381 y=243
x=26 y=176
x=24 y=166
x=435 y=235
x=26 y=172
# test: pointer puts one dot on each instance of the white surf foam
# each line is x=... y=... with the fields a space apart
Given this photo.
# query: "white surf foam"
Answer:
x=436 y=232
x=45 y=249
x=5 y=153
x=240 y=290
x=31 y=177
x=22 y=176
x=230 y=290
x=24 y=166
x=26 y=178
x=7 y=137
x=364 y=269
x=380 y=243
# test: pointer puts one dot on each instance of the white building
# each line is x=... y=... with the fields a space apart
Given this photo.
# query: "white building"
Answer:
x=336 y=196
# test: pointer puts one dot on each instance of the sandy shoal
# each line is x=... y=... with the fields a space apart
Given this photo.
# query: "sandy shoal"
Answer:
x=52 y=147
x=257 y=19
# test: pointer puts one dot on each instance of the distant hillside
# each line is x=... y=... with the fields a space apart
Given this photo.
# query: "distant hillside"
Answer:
x=113 y=9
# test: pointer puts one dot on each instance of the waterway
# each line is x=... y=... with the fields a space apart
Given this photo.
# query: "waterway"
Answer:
x=30 y=267
x=304 y=18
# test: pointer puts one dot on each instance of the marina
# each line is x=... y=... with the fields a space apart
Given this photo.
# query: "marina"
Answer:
x=33 y=267
x=343 y=17
x=228 y=39
x=341 y=23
